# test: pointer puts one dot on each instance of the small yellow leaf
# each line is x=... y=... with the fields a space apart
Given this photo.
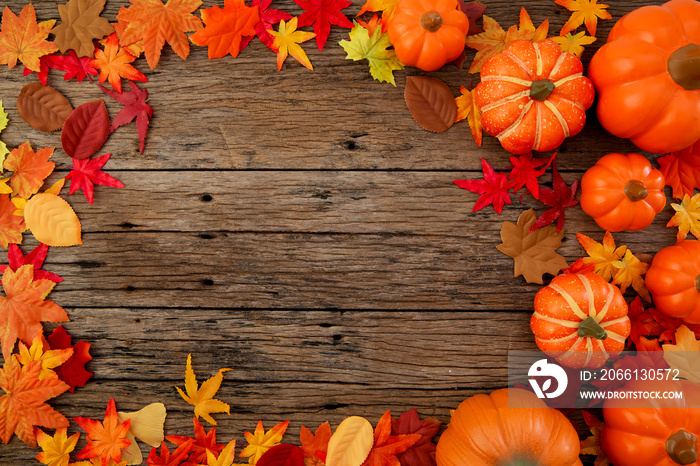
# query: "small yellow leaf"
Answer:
x=602 y=256
x=467 y=108
x=687 y=217
x=4 y=188
x=574 y=43
x=20 y=203
x=146 y=424
x=49 y=359
x=55 y=451
x=630 y=272
x=52 y=220
x=685 y=354
x=260 y=441
x=351 y=442
x=56 y=187
x=225 y=458
x=287 y=40
x=202 y=398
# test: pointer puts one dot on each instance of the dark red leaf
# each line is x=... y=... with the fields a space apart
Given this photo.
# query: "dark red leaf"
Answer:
x=494 y=188
x=73 y=370
x=474 y=11
x=559 y=198
x=37 y=257
x=87 y=173
x=85 y=130
x=166 y=459
x=283 y=454
x=321 y=14
x=135 y=106
x=421 y=453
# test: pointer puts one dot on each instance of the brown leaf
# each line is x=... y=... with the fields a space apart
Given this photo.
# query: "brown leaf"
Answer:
x=85 y=130
x=431 y=103
x=80 y=24
x=534 y=253
x=43 y=107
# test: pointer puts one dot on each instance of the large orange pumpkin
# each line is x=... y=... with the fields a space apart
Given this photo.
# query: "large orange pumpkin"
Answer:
x=510 y=426
x=648 y=77
x=673 y=279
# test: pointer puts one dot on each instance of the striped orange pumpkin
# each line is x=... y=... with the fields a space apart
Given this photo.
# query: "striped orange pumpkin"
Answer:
x=580 y=320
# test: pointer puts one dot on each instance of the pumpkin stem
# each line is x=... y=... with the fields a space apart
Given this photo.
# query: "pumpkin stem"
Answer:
x=431 y=21
x=682 y=447
x=591 y=328
x=541 y=89
x=684 y=67
x=635 y=190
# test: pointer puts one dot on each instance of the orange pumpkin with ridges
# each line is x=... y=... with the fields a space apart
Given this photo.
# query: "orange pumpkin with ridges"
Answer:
x=673 y=279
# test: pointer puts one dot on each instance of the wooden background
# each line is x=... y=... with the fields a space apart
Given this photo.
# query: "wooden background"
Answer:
x=300 y=228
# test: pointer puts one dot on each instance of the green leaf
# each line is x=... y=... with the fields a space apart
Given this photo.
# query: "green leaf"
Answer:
x=382 y=62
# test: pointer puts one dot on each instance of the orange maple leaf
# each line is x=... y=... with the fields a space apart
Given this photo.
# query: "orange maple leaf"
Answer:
x=11 y=225
x=105 y=439
x=24 y=307
x=30 y=169
x=113 y=64
x=387 y=8
x=584 y=11
x=49 y=359
x=156 y=24
x=225 y=27
x=23 y=404
x=467 y=108
x=387 y=446
x=315 y=443
x=260 y=441
x=21 y=38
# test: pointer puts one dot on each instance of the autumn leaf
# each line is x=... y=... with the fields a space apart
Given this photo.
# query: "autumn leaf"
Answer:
x=268 y=18
x=156 y=23
x=387 y=8
x=56 y=449
x=670 y=325
x=114 y=64
x=315 y=445
x=584 y=11
x=30 y=169
x=372 y=25
x=630 y=272
x=43 y=107
x=202 y=443
x=260 y=441
x=283 y=454
x=135 y=106
x=21 y=38
x=526 y=170
x=85 y=130
x=80 y=24
x=494 y=188
x=526 y=26
x=73 y=370
x=105 y=439
x=287 y=40
x=474 y=12
x=224 y=28
x=467 y=108
x=684 y=355
x=387 y=446
x=11 y=225
x=687 y=217
x=3 y=124
x=52 y=220
x=165 y=458
x=36 y=258
x=74 y=66
x=375 y=49
x=351 y=442
x=574 y=43
x=431 y=103
x=591 y=445
x=642 y=322
x=558 y=199
x=321 y=14
x=202 y=398
x=602 y=256
x=421 y=453
x=225 y=458
x=86 y=173
x=533 y=251
x=49 y=359
x=146 y=424
x=681 y=170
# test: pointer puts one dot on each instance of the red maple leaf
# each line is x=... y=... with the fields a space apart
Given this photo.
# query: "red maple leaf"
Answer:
x=135 y=106
x=559 y=198
x=494 y=188
x=201 y=443
x=579 y=266
x=268 y=18
x=74 y=66
x=643 y=322
x=681 y=170
x=37 y=257
x=88 y=172
x=526 y=170
x=670 y=325
x=73 y=370
x=321 y=14
x=421 y=453
x=225 y=27
x=105 y=439
x=387 y=446
x=166 y=459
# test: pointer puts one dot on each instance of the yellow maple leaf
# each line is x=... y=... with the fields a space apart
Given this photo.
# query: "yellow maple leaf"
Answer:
x=4 y=188
x=467 y=108
x=630 y=272
x=684 y=355
x=574 y=43
x=583 y=11
x=387 y=8
x=225 y=458
x=591 y=445
x=48 y=359
x=260 y=441
x=602 y=256
x=203 y=397
x=526 y=25
x=287 y=40
x=55 y=451
x=687 y=217
x=21 y=38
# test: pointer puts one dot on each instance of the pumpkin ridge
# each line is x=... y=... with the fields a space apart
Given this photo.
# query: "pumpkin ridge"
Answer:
x=592 y=312
x=504 y=101
x=572 y=349
x=562 y=121
x=516 y=60
x=608 y=302
x=571 y=336
x=603 y=349
x=575 y=308
x=564 y=323
x=506 y=132
x=589 y=352
x=557 y=65
x=510 y=79
x=539 y=65
x=565 y=80
x=538 y=125
x=615 y=336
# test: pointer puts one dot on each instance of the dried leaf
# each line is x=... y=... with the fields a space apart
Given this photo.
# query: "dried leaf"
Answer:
x=105 y=439
x=43 y=107
x=85 y=130
x=55 y=451
x=224 y=28
x=559 y=198
x=584 y=11
x=283 y=454
x=86 y=173
x=493 y=40
x=681 y=170
x=52 y=220
x=30 y=169
x=684 y=355
x=135 y=106
x=387 y=8
x=534 y=252
x=321 y=14
x=21 y=38
x=36 y=258
x=493 y=188
x=474 y=12
x=260 y=441
x=431 y=103
x=73 y=370
x=574 y=43
x=687 y=217
x=225 y=458
x=114 y=64
x=202 y=398
x=80 y=24
x=287 y=40
x=375 y=48
x=467 y=108
x=602 y=256
x=351 y=442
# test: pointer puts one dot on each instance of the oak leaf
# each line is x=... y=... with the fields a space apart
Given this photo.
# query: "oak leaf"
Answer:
x=574 y=43
x=114 y=64
x=80 y=24
x=202 y=442
x=86 y=173
x=467 y=108
x=156 y=23
x=177 y=458
x=602 y=256
x=73 y=370
x=260 y=441
x=494 y=188
x=351 y=442
x=106 y=439
x=56 y=449
x=534 y=252
x=421 y=453
x=387 y=446
x=224 y=28
x=583 y=11
x=202 y=398
x=684 y=355
x=49 y=359
x=591 y=445
x=283 y=454
x=630 y=272
x=135 y=106
x=43 y=107
x=315 y=445
x=375 y=49
x=52 y=220
x=558 y=199
x=681 y=170
x=85 y=130
x=431 y=103
x=287 y=40
x=687 y=217
x=30 y=169
x=11 y=225
x=36 y=258
x=321 y=14
x=21 y=38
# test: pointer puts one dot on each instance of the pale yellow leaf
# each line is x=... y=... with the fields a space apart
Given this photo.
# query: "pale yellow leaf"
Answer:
x=202 y=398
x=145 y=424
x=351 y=442
x=684 y=355
x=52 y=220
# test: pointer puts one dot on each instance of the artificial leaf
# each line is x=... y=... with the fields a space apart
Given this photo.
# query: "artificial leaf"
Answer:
x=421 y=453
x=21 y=38
x=534 y=252
x=165 y=458
x=56 y=449
x=351 y=442
x=260 y=441
x=558 y=199
x=23 y=403
x=146 y=424
x=3 y=124
x=387 y=446
x=642 y=322
x=52 y=220
x=225 y=27
x=202 y=398
x=86 y=173
x=602 y=256
x=80 y=24
x=74 y=66
x=203 y=442
x=30 y=169
x=287 y=40
x=268 y=17
x=43 y=107
x=85 y=130
x=49 y=359
x=104 y=439
x=283 y=454
x=583 y=11
x=532 y=34
x=467 y=108
x=373 y=24
x=684 y=355
x=56 y=187
x=156 y=23
x=670 y=325
x=687 y=217
x=135 y=106
x=16 y=259
x=375 y=49
x=574 y=43
x=681 y=170
x=474 y=12
x=11 y=225
x=630 y=272
x=24 y=307
x=73 y=370
x=114 y=64
x=492 y=41
x=136 y=48
x=387 y=8
x=315 y=445
x=225 y=458
x=526 y=170
x=591 y=445
x=493 y=188
x=322 y=14
x=431 y=103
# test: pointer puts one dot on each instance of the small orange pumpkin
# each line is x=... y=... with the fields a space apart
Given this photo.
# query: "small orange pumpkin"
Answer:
x=673 y=279
x=622 y=192
x=428 y=33
x=509 y=426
